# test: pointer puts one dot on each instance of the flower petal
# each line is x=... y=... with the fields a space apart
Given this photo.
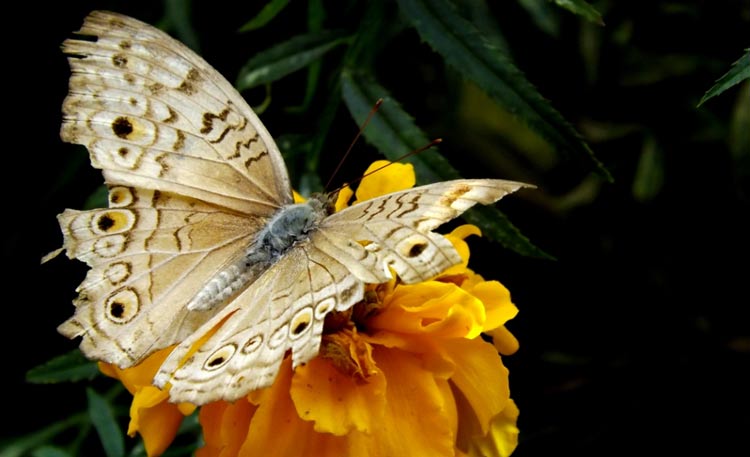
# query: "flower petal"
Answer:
x=419 y=415
x=276 y=429
x=396 y=176
x=336 y=402
x=225 y=426
x=140 y=375
x=436 y=308
x=157 y=424
x=504 y=341
x=342 y=199
x=502 y=438
x=496 y=299
x=480 y=376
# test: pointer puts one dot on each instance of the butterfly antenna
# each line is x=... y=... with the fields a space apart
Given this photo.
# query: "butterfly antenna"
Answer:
x=432 y=143
x=356 y=137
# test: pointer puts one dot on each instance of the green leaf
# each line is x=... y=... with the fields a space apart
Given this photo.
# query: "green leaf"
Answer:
x=739 y=72
x=581 y=8
x=103 y=418
x=393 y=132
x=272 y=8
x=546 y=18
x=69 y=367
x=739 y=134
x=463 y=48
x=288 y=57
x=315 y=18
x=649 y=176
x=177 y=16
x=50 y=451
x=23 y=445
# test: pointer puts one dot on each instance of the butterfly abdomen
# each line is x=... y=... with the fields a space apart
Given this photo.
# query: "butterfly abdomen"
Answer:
x=290 y=225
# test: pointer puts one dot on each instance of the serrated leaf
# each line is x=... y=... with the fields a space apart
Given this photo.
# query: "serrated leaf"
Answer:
x=581 y=8
x=103 y=418
x=265 y=15
x=69 y=367
x=393 y=132
x=463 y=48
x=739 y=72
x=288 y=57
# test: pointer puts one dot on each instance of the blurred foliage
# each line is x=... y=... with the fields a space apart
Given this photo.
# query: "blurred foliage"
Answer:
x=636 y=331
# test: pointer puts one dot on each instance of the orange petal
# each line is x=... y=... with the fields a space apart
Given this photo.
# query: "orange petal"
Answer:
x=337 y=402
x=225 y=426
x=276 y=429
x=419 y=415
x=480 y=376
x=157 y=425
x=394 y=177
x=140 y=375
x=435 y=308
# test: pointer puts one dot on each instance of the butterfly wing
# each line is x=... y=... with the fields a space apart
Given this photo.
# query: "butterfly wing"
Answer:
x=154 y=115
x=242 y=347
x=149 y=254
x=193 y=176
x=394 y=231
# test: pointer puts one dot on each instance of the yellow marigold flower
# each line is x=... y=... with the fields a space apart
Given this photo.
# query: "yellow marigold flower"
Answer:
x=406 y=371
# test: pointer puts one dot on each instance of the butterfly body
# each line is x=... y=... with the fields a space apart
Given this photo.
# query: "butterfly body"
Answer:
x=202 y=247
x=287 y=227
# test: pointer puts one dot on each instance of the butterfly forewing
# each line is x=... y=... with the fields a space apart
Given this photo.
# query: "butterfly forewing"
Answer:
x=155 y=115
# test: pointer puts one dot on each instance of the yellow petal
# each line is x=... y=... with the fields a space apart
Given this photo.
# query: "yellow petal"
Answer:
x=496 y=299
x=480 y=376
x=504 y=341
x=336 y=402
x=440 y=309
x=298 y=198
x=276 y=429
x=464 y=231
x=140 y=375
x=342 y=199
x=418 y=419
x=394 y=177
x=502 y=438
x=157 y=424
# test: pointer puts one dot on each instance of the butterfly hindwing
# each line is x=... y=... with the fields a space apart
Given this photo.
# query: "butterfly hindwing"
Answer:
x=149 y=253
x=284 y=310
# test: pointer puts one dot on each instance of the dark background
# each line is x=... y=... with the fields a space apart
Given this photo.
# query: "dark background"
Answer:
x=635 y=339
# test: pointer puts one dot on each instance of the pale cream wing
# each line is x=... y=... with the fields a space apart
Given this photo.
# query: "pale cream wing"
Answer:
x=155 y=115
x=149 y=254
x=283 y=310
x=394 y=231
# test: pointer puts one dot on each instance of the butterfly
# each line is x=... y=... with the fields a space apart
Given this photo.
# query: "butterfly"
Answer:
x=201 y=246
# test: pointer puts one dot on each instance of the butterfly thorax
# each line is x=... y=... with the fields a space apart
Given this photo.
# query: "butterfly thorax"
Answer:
x=289 y=226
